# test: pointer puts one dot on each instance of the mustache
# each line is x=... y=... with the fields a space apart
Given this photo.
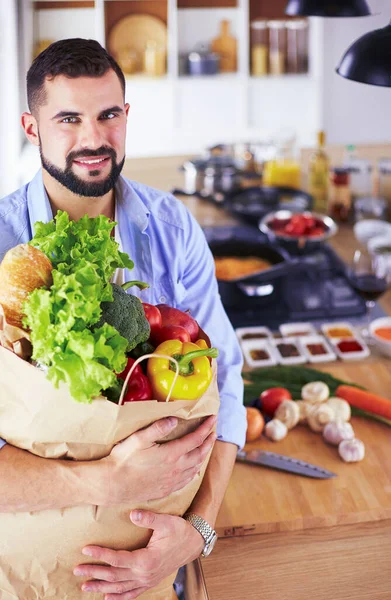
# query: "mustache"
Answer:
x=86 y=152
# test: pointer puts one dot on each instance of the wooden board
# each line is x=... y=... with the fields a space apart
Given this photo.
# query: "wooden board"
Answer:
x=260 y=500
x=117 y=9
x=207 y=3
x=68 y=4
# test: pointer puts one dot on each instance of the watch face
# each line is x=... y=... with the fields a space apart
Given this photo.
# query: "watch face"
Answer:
x=209 y=547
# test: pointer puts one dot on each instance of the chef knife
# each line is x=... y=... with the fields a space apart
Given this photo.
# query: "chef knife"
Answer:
x=283 y=463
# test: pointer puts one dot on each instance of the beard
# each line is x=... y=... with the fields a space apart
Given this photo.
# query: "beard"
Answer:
x=91 y=189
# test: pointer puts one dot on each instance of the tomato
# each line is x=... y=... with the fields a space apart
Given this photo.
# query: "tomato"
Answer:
x=255 y=424
x=272 y=398
x=171 y=332
x=153 y=316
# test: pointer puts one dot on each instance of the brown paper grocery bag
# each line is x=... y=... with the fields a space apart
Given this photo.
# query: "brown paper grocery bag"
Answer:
x=38 y=550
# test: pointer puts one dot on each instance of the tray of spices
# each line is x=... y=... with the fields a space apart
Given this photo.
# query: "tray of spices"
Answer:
x=288 y=351
x=353 y=348
x=317 y=349
x=259 y=353
x=253 y=333
x=297 y=329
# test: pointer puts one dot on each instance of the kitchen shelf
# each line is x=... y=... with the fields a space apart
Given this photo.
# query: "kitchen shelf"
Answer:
x=52 y=4
x=207 y=4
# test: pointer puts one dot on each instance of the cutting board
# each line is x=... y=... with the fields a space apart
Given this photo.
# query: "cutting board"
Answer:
x=260 y=500
x=226 y=46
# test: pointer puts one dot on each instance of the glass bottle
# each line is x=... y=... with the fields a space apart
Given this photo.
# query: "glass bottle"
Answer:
x=259 y=48
x=340 y=195
x=277 y=47
x=318 y=176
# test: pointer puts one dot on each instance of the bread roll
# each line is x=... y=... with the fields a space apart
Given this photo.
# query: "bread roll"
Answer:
x=23 y=269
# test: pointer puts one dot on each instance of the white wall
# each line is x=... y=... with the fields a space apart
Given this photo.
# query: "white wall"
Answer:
x=353 y=113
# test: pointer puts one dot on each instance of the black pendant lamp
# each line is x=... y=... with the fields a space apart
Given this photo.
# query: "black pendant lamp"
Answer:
x=368 y=60
x=327 y=8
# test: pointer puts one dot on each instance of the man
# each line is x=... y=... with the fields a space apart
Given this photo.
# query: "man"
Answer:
x=78 y=121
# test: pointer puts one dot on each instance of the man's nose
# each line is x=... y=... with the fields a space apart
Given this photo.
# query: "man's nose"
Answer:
x=91 y=135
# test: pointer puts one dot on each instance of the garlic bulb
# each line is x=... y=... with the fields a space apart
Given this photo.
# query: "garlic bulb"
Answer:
x=288 y=413
x=275 y=430
x=304 y=409
x=319 y=417
x=337 y=431
x=341 y=408
x=315 y=392
x=351 y=450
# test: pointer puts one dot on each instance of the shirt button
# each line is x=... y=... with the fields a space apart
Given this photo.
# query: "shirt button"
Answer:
x=162 y=299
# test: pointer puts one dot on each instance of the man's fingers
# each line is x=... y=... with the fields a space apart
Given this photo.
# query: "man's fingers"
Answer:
x=196 y=457
x=158 y=430
x=128 y=595
x=192 y=440
x=115 y=558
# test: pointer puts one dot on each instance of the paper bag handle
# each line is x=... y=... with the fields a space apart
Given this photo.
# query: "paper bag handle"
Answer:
x=141 y=358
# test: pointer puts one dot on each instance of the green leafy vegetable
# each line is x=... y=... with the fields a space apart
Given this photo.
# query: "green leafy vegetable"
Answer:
x=84 y=256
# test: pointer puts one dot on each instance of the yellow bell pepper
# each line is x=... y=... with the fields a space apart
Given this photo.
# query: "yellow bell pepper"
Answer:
x=195 y=372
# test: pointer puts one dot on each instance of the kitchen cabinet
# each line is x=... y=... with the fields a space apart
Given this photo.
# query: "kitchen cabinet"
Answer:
x=176 y=113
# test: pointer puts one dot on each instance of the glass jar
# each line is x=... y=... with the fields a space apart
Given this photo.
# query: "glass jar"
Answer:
x=259 y=48
x=154 y=59
x=340 y=202
x=297 y=46
x=277 y=47
x=370 y=208
x=384 y=168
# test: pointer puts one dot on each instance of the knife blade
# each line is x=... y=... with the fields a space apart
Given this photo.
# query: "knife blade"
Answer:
x=283 y=463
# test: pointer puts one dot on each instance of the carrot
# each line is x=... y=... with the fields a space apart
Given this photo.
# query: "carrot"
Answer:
x=364 y=400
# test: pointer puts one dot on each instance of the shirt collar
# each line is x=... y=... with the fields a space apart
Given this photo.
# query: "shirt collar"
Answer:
x=39 y=208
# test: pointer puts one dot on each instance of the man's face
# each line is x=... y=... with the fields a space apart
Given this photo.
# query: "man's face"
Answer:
x=82 y=129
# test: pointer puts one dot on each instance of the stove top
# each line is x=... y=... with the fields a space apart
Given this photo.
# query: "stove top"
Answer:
x=319 y=292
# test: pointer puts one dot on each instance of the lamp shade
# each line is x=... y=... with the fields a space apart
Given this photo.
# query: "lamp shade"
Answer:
x=368 y=60
x=328 y=8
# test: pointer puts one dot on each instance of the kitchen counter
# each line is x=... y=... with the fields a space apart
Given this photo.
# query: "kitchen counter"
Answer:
x=292 y=538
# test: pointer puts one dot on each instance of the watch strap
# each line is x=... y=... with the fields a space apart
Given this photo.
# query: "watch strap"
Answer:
x=203 y=527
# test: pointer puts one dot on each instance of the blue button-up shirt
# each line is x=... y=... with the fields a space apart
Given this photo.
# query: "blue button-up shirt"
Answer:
x=170 y=252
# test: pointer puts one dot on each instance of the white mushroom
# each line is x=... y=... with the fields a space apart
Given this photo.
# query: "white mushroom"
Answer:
x=304 y=409
x=315 y=392
x=275 y=430
x=351 y=450
x=288 y=413
x=337 y=431
x=341 y=408
x=319 y=417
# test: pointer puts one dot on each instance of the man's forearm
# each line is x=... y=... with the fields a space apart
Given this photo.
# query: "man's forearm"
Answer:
x=30 y=483
x=208 y=500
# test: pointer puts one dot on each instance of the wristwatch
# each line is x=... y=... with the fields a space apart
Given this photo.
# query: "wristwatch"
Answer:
x=203 y=527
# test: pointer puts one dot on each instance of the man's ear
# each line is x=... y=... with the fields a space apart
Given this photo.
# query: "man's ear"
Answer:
x=30 y=126
x=127 y=106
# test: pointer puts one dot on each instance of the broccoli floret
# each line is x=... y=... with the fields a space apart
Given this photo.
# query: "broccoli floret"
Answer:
x=127 y=315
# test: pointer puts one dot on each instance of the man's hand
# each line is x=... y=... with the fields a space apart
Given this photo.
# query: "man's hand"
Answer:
x=174 y=543
x=140 y=469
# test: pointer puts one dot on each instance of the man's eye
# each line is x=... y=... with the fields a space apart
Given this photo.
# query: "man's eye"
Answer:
x=69 y=120
x=109 y=115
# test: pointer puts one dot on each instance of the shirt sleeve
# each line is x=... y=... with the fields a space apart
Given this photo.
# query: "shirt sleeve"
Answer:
x=203 y=299
x=2 y=443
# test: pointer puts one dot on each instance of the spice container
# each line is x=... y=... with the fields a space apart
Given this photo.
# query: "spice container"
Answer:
x=277 y=47
x=253 y=333
x=297 y=329
x=297 y=46
x=340 y=201
x=259 y=48
x=288 y=351
x=351 y=349
x=154 y=59
x=259 y=353
x=317 y=349
x=384 y=172
x=337 y=331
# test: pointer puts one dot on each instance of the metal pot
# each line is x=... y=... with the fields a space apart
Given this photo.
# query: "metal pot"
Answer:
x=202 y=62
x=213 y=177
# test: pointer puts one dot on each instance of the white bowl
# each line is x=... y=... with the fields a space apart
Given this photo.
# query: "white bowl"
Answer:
x=383 y=345
x=380 y=241
x=370 y=228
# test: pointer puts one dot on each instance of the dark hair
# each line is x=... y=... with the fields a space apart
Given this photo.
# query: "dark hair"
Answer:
x=74 y=57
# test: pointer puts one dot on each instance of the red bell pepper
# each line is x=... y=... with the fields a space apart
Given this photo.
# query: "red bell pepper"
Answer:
x=138 y=387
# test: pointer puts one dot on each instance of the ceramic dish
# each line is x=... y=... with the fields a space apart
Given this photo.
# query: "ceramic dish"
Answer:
x=253 y=333
x=312 y=346
x=297 y=329
x=381 y=343
x=259 y=353
x=339 y=345
x=330 y=330
x=288 y=352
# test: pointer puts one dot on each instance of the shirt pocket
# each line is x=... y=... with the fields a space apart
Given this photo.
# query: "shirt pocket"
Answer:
x=169 y=291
